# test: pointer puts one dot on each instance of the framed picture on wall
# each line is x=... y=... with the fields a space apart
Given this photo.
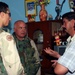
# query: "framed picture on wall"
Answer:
x=30 y=7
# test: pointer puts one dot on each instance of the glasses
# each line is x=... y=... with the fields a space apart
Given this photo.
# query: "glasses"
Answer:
x=9 y=14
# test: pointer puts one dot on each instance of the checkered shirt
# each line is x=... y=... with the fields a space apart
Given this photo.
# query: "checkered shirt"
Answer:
x=68 y=58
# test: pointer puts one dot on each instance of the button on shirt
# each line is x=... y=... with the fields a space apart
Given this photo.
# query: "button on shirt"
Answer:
x=68 y=58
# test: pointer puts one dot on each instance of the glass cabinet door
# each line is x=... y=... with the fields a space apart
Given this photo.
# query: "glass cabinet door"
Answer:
x=38 y=39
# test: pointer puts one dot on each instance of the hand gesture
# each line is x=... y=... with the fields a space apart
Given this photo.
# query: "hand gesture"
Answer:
x=52 y=52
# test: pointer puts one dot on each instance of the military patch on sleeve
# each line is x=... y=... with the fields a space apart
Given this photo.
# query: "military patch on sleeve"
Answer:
x=9 y=37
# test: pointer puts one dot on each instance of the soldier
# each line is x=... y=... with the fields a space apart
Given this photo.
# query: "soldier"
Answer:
x=28 y=52
x=9 y=59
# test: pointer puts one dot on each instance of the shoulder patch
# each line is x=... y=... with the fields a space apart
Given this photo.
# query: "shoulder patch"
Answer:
x=9 y=37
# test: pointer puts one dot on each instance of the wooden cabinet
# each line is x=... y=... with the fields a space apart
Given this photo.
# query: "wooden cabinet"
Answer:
x=45 y=31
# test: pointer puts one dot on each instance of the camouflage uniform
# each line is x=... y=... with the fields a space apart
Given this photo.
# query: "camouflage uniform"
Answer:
x=9 y=58
x=28 y=55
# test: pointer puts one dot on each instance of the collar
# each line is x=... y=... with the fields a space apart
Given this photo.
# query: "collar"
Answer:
x=71 y=38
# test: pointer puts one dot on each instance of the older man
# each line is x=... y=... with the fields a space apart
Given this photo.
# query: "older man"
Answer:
x=26 y=48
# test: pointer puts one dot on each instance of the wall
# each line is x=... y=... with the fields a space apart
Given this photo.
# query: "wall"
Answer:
x=17 y=9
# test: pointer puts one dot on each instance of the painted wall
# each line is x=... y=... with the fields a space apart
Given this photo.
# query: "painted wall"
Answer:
x=17 y=9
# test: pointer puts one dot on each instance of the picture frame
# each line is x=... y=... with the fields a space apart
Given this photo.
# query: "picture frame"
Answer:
x=30 y=7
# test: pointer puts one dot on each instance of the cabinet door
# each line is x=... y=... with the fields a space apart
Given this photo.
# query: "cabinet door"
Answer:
x=45 y=28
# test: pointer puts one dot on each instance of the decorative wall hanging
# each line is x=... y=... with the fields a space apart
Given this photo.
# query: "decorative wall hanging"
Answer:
x=30 y=10
x=58 y=9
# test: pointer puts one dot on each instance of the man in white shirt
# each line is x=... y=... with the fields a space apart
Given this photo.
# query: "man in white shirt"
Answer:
x=65 y=65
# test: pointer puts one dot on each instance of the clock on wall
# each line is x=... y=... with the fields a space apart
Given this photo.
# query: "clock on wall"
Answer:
x=72 y=4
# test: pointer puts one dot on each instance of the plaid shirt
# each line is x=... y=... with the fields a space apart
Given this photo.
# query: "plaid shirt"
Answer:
x=68 y=58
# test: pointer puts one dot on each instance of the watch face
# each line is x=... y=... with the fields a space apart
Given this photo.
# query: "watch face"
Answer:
x=72 y=4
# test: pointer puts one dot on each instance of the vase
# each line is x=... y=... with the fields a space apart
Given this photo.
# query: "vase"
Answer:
x=43 y=13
